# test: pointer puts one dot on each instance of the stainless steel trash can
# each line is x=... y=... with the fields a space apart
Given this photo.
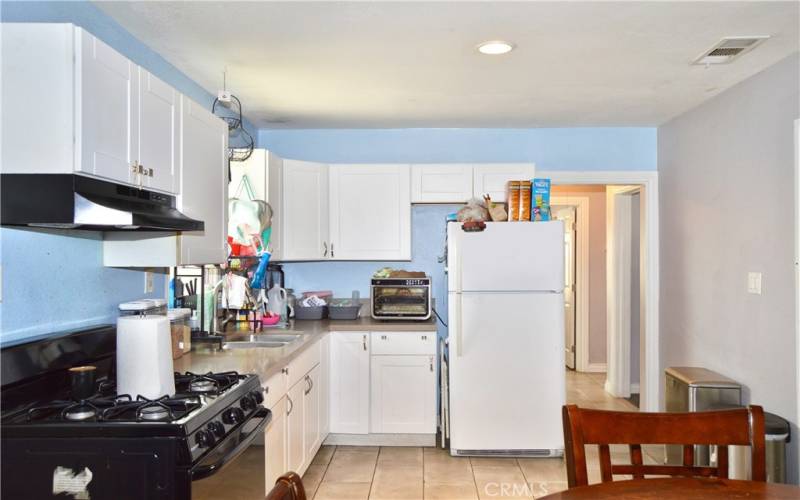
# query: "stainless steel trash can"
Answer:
x=690 y=388
x=777 y=435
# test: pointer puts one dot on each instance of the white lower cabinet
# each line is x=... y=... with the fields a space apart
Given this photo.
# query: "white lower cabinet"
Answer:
x=311 y=413
x=275 y=444
x=403 y=394
x=295 y=430
x=349 y=376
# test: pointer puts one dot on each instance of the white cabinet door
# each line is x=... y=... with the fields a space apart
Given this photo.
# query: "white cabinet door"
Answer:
x=324 y=387
x=311 y=412
x=295 y=431
x=349 y=375
x=305 y=210
x=106 y=124
x=204 y=181
x=441 y=183
x=275 y=200
x=370 y=210
x=275 y=444
x=403 y=395
x=491 y=178
x=158 y=132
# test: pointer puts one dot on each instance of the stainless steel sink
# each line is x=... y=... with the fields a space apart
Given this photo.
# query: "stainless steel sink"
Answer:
x=265 y=340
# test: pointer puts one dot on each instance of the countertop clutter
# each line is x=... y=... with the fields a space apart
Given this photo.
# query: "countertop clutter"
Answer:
x=204 y=358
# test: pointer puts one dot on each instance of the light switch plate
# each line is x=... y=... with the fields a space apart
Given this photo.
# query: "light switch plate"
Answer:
x=148 y=282
x=754 y=283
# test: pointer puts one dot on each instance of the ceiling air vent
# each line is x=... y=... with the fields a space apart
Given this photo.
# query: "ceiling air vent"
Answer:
x=728 y=49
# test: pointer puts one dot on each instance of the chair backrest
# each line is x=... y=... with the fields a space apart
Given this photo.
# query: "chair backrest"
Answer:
x=288 y=487
x=743 y=426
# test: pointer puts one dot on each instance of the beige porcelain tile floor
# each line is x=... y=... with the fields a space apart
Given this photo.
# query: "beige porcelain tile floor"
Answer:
x=353 y=473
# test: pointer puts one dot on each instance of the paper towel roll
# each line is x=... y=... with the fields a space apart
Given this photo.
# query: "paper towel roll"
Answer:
x=144 y=357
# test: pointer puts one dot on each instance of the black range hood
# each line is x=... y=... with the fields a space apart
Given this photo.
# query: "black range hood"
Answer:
x=68 y=201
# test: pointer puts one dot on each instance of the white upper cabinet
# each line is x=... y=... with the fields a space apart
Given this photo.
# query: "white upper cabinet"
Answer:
x=106 y=102
x=304 y=211
x=159 y=108
x=441 y=183
x=370 y=210
x=94 y=112
x=491 y=178
x=203 y=181
x=203 y=184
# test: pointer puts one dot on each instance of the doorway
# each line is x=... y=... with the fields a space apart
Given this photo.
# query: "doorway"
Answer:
x=568 y=214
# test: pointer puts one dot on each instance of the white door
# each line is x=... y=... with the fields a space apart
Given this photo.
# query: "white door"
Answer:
x=305 y=210
x=507 y=383
x=507 y=257
x=403 y=394
x=204 y=181
x=158 y=132
x=275 y=444
x=441 y=183
x=107 y=118
x=370 y=210
x=491 y=178
x=311 y=411
x=349 y=375
x=568 y=216
x=295 y=429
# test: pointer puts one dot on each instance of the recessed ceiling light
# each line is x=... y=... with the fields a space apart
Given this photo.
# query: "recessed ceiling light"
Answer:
x=495 y=47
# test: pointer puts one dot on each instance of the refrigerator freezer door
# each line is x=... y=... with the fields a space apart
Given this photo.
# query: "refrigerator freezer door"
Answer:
x=507 y=380
x=507 y=256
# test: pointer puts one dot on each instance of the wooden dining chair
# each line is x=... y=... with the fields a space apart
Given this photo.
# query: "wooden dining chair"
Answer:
x=743 y=426
x=288 y=487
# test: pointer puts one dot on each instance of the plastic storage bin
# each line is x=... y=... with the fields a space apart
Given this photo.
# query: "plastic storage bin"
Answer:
x=344 y=311
x=315 y=312
x=143 y=307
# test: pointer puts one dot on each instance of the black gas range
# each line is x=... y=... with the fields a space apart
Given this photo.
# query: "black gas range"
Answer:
x=110 y=445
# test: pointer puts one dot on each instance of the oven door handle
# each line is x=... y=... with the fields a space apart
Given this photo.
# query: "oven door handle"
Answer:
x=200 y=472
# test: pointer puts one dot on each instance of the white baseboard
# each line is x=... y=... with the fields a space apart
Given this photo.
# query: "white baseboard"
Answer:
x=635 y=388
x=381 y=439
x=596 y=368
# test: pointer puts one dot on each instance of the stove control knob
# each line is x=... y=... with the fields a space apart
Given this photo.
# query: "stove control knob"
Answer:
x=216 y=428
x=203 y=439
x=232 y=416
x=247 y=403
x=257 y=396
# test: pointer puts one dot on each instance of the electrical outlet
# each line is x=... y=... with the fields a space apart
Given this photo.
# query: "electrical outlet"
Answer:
x=754 y=283
x=148 y=282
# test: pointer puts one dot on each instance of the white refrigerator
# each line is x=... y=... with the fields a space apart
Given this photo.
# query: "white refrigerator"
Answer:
x=507 y=382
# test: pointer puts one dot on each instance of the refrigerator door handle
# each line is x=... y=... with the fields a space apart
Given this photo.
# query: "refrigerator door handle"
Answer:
x=459 y=337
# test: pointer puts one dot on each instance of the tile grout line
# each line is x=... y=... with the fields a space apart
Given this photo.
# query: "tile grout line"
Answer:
x=474 y=480
x=374 y=468
x=325 y=473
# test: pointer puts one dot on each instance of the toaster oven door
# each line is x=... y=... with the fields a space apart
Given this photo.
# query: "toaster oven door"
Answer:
x=401 y=302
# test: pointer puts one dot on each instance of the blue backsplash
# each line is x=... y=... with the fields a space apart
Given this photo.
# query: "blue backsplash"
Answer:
x=428 y=233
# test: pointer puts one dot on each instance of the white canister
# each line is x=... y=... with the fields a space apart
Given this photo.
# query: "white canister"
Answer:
x=144 y=357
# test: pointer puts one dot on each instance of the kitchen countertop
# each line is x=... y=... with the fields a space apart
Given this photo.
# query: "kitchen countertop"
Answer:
x=267 y=361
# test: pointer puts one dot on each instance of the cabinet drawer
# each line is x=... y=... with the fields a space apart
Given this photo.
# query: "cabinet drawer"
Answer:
x=398 y=343
x=275 y=388
x=302 y=364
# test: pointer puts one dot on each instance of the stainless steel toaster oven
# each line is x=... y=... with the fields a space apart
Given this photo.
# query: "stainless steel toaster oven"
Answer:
x=401 y=298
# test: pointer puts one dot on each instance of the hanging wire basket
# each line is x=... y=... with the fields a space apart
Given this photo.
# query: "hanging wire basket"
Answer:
x=240 y=142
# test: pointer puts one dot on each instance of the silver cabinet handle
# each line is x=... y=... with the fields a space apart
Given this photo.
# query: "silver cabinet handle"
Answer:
x=430 y=360
x=424 y=337
x=291 y=405
x=364 y=342
x=383 y=337
x=308 y=384
x=285 y=371
x=325 y=246
x=331 y=250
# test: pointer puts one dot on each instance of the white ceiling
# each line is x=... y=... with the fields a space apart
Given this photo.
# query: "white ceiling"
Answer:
x=414 y=64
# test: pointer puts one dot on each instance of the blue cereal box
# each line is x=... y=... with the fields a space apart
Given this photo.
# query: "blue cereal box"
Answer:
x=540 y=200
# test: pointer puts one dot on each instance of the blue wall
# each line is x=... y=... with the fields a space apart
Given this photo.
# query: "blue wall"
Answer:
x=55 y=281
x=550 y=148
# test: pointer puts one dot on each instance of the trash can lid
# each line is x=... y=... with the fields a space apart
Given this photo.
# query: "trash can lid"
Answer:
x=776 y=426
